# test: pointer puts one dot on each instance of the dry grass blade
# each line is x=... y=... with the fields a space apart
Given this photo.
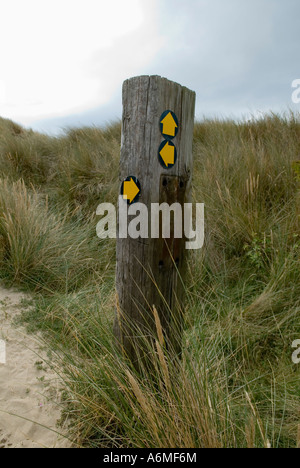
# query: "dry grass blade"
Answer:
x=158 y=326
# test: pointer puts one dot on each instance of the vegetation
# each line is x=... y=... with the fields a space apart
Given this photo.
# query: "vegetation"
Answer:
x=236 y=384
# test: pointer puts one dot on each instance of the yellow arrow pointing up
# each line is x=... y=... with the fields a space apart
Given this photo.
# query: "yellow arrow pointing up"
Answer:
x=169 y=125
x=130 y=190
x=168 y=154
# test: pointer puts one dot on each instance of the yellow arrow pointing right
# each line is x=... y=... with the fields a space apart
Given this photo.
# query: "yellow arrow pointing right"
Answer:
x=168 y=154
x=130 y=190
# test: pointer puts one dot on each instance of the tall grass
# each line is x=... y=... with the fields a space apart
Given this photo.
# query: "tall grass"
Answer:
x=236 y=385
x=183 y=403
x=76 y=171
x=42 y=248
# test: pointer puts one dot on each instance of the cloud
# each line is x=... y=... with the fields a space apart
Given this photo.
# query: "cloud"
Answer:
x=240 y=56
x=128 y=55
x=237 y=55
x=63 y=56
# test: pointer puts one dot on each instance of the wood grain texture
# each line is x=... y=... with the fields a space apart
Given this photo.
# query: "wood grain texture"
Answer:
x=149 y=270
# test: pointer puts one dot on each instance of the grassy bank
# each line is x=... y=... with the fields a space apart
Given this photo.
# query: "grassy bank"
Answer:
x=236 y=385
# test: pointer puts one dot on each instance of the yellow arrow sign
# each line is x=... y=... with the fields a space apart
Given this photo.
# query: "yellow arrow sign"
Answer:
x=168 y=154
x=169 y=125
x=130 y=190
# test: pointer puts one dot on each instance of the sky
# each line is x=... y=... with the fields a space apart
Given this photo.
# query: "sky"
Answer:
x=63 y=62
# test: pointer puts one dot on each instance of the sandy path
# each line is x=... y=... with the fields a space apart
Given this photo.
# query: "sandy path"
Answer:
x=27 y=387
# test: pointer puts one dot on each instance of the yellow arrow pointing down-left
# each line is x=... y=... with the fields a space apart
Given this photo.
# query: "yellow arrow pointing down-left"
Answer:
x=130 y=190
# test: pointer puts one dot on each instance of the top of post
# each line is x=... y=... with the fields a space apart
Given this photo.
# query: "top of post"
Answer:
x=155 y=78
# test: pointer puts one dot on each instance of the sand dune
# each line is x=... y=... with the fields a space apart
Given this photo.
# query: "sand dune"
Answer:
x=29 y=390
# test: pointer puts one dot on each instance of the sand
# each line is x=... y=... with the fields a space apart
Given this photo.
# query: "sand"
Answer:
x=29 y=389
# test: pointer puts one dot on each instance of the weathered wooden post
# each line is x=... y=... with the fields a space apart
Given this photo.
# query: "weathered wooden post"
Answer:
x=155 y=168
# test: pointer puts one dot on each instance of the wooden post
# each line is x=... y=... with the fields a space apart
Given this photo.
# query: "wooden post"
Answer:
x=156 y=164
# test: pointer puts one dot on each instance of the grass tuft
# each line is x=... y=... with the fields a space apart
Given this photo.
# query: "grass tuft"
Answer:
x=235 y=384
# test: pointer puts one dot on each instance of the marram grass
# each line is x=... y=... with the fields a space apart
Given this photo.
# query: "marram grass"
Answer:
x=236 y=384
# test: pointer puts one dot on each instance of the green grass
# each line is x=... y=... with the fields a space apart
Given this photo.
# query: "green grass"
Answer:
x=236 y=385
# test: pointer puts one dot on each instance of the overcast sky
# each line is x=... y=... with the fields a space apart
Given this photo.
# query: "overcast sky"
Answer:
x=63 y=61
